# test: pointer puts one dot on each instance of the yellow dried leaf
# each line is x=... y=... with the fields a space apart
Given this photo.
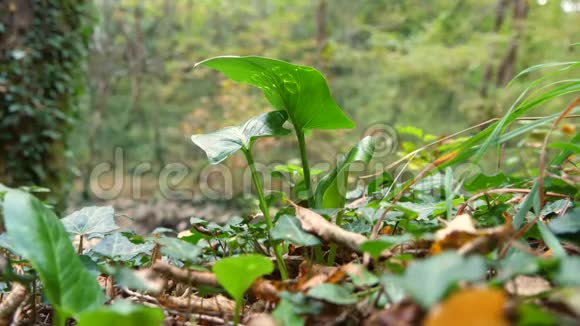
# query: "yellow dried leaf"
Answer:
x=473 y=307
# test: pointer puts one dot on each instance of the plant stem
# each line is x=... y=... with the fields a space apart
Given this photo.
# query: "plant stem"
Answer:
x=237 y=313
x=305 y=167
x=266 y=211
x=318 y=254
x=333 y=247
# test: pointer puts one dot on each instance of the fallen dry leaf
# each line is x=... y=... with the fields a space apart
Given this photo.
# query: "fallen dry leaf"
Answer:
x=527 y=285
x=314 y=223
x=405 y=313
x=462 y=234
x=473 y=307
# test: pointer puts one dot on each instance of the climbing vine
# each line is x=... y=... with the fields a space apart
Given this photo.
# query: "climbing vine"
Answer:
x=43 y=44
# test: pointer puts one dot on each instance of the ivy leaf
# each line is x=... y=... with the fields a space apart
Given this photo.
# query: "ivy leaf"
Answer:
x=122 y=313
x=428 y=279
x=179 y=249
x=117 y=246
x=37 y=234
x=285 y=314
x=237 y=274
x=288 y=228
x=220 y=144
x=331 y=190
x=332 y=293
x=91 y=220
x=299 y=90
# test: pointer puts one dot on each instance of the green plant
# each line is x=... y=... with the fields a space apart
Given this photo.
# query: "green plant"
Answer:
x=300 y=91
x=220 y=144
x=247 y=269
x=35 y=233
x=425 y=235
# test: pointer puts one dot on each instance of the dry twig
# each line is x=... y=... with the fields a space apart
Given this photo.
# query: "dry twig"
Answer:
x=12 y=302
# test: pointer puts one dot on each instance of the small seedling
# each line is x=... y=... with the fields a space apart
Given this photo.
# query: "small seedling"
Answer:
x=237 y=274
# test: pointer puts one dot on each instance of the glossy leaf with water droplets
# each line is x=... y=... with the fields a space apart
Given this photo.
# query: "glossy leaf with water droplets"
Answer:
x=299 y=90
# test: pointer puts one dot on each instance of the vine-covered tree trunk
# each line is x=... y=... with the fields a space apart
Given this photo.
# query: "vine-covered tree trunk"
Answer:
x=42 y=48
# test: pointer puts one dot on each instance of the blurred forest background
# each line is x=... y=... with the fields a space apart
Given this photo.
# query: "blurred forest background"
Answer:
x=437 y=65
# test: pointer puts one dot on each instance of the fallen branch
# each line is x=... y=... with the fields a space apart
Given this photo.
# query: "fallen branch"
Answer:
x=215 y=306
x=314 y=223
x=261 y=288
x=194 y=278
x=11 y=303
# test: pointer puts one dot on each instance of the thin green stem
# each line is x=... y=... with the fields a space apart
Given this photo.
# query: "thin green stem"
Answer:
x=237 y=313
x=318 y=254
x=266 y=211
x=333 y=247
x=305 y=167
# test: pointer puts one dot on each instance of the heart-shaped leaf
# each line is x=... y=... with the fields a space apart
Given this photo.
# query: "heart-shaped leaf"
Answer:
x=237 y=274
x=117 y=246
x=288 y=228
x=37 y=234
x=91 y=220
x=178 y=249
x=299 y=90
x=122 y=313
x=428 y=279
x=220 y=144
x=331 y=190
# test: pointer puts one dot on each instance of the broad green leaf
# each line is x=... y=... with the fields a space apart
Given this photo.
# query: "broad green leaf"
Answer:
x=91 y=220
x=332 y=293
x=299 y=90
x=117 y=246
x=37 y=234
x=518 y=263
x=179 y=249
x=428 y=279
x=568 y=273
x=331 y=190
x=237 y=274
x=218 y=145
x=122 y=313
x=568 y=223
x=288 y=228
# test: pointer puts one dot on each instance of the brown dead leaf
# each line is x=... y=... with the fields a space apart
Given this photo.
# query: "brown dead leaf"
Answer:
x=527 y=285
x=266 y=290
x=386 y=230
x=261 y=320
x=473 y=307
x=462 y=234
x=314 y=223
x=405 y=313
